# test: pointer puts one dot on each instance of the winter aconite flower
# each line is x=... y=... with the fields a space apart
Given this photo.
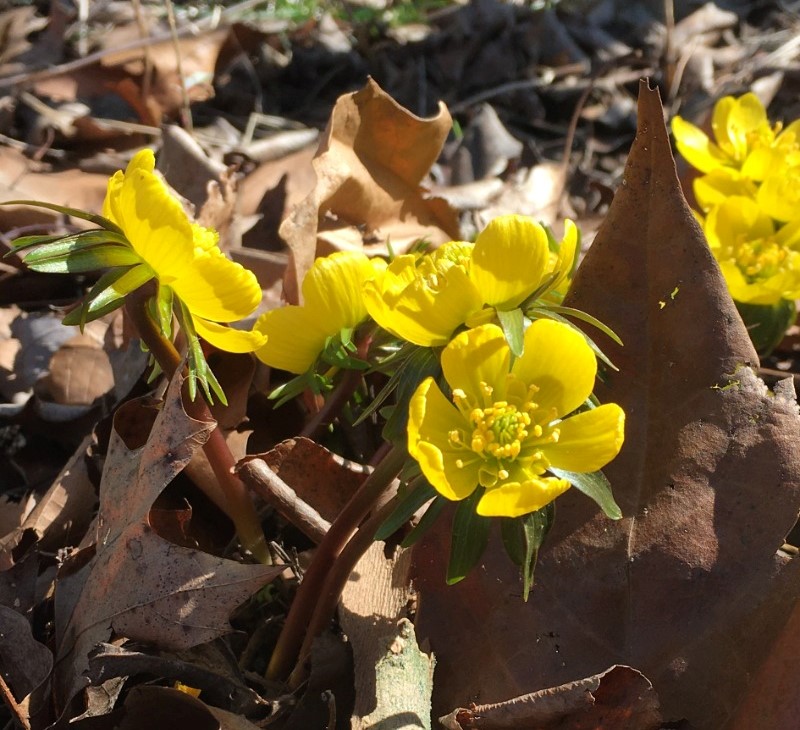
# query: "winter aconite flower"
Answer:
x=424 y=299
x=759 y=259
x=182 y=256
x=297 y=335
x=507 y=424
x=744 y=140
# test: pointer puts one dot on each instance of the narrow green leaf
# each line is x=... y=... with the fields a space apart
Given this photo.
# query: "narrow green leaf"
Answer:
x=523 y=537
x=593 y=485
x=585 y=317
x=23 y=242
x=425 y=522
x=469 y=539
x=406 y=507
x=72 y=212
x=88 y=259
x=513 y=324
x=413 y=366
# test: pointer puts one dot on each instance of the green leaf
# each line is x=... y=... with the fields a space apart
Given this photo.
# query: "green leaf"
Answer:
x=108 y=293
x=425 y=522
x=585 y=317
x=23 y=242
x=422 y=364
x=406 y=507
x=413 y=362
x=469 y=538
x=523 y=537
x=593 y=485
x=72 y=212
x=767 y=323
x=513 y=324
x=199 y=370
x=83 y=260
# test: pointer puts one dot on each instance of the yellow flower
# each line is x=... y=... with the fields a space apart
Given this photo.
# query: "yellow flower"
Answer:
x=507 y=424
x=181 y=255
x=296 y=335
x=424 y=299
x=761 y=263
x=744 y=140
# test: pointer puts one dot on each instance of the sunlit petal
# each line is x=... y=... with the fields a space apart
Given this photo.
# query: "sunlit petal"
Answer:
x=479 y=355
x=432 y=418
x=295 y=338
x=588 y=440
x=228 y=338
x=509 y=259
x=520 y=498
x=696 y=147
x=559 y=363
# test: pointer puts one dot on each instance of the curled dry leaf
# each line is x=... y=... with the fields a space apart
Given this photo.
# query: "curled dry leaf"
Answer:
x=136 y=583
x=689 y=587
x=369 y=168
x=619 y=697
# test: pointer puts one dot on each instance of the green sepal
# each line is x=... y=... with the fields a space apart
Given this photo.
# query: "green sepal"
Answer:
x=593 y=485
x=588 y=318
x=337 y=349
x=108 y=293
x=411 y=361
x=523 y=537
x=98 y=220
x=405 y=509
x=513 y=325
x=199 y=370
x=420 y=365
x=426 y=521
x=162 y=308
x=90 y=258
x=470 y=536
x=767 y=323
x=294 y=387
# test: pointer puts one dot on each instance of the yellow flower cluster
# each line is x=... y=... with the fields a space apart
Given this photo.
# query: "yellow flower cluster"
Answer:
x=749 y=195
x=502 y=425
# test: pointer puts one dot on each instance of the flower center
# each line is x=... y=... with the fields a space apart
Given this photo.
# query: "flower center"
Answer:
x=760 y=258
x=501 y=434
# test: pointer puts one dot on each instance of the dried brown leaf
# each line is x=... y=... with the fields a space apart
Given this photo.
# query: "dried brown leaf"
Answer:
x=138 y=584
x=689 y=587
x=80 y=372
x=369 y=167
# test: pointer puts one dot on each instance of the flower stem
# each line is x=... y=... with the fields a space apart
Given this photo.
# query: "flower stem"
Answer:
x=335 y=582
x=310 y=591
x=238 y=504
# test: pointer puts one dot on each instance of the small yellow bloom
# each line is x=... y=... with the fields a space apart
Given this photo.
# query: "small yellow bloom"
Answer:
x=744 y=141
x=507 y=424
x=181 y=255
x=424 y=299
x=296 y=335
x=761 y=263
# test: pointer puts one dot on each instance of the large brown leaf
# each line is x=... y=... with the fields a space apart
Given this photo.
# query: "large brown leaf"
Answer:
x=690 y=587
x=138 y=584
x=369 y=167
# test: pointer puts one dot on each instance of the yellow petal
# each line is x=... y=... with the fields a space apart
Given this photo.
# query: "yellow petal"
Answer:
x=154 y=222
x=479 y=355
x=295 y=338
x=332 y=288
x=424 y=311
x=559 y=363
x=745 y=115
x=695 y=146
x=214 y=287
x=509 y=259
x=521 y=498
x=566 y=252
x=588 y=440
x=228 y=338
x=431 y=418
x=779 y=194
x=765 y=291
x=713 y=188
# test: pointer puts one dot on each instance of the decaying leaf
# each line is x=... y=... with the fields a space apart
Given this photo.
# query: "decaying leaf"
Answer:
x=136 y=583
x=619 y=697
x=689 y=587
x=369 y=167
